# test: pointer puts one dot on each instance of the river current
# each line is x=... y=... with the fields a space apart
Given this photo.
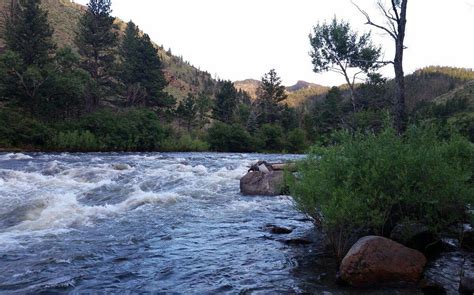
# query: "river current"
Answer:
x=156 y=222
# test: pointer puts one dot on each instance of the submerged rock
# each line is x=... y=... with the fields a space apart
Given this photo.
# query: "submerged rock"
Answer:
x=256 y=183
x=120 y=167
x=297 y=241
x=467 y=285
x=445 y=271
x=430 y=287
x=377 y=260
x=278 y=230
x=467 y=242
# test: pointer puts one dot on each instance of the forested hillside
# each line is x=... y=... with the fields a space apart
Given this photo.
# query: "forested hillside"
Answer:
x=64 y=15
x=76 y=78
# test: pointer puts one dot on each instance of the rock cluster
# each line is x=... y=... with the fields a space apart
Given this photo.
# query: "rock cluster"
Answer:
x=264 y=179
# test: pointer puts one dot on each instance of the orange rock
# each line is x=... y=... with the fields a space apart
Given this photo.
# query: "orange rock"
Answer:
x=377 y=260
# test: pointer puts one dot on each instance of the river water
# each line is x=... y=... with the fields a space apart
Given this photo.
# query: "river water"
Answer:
x=172 y=223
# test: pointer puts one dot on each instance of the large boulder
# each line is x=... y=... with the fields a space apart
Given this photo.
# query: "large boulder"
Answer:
x=376 y=260
x=257 y=183
x=263 y=179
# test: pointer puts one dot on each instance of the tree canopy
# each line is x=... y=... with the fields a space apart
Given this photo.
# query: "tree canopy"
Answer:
x=28 y=32
x=337 y=48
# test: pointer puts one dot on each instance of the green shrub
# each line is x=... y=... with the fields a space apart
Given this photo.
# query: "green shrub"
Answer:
x=371 y=182
x=77 y=141
x=18 y=130
x=272 y=137
x=128 y=130
x=369 y=120
x=296 y=141
x=230 y=138
x=184 y=143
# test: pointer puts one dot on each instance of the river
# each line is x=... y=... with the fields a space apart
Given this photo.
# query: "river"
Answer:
x=151 y=222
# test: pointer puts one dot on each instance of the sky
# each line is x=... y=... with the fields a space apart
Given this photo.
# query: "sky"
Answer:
x=242 y=39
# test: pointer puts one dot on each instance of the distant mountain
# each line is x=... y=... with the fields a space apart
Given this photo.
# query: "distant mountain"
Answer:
x=250 y=86
x=297 y=94
x=302 y=85
x=64 y=15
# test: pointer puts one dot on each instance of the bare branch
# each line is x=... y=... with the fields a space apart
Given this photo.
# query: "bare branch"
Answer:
x=355 y=76
x=385 y=11
x=394 y=7
x=369 y=22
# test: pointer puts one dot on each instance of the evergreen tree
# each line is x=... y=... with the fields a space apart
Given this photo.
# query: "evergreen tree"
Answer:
x=142 y=67
x=63 y=91
x=203 y=105
x=289 y=119
x=28 y=33
x=270 y=94
x=188 y=111
x=97 y=40
x=27 y=65
x=226 y=102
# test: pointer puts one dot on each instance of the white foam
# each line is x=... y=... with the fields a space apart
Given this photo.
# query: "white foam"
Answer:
x=15 y=156
x=65 y=211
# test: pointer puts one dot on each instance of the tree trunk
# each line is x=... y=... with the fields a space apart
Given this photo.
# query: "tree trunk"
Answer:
x=400 y=108
x=400 y=112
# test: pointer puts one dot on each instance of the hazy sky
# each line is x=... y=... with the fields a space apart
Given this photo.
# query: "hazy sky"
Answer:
x=240 y=39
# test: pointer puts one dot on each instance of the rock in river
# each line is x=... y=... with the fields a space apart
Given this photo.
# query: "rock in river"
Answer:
x=256 y=183
x=466 y=285
x=377 y=260
x=264 y=179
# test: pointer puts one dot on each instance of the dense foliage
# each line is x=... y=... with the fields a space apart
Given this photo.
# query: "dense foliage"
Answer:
x=95 y=95
x=142 y=71
x=369 y=182
x=337 y=48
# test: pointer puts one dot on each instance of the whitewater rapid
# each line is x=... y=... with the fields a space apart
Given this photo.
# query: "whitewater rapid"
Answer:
x=54 y=194
x=115 y=223
x=73 y=221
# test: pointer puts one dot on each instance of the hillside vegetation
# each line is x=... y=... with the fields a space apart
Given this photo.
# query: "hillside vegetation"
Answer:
x=64 y=16
x=65 y=104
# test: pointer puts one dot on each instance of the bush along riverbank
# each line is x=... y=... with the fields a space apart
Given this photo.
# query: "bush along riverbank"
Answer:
x=389 y=204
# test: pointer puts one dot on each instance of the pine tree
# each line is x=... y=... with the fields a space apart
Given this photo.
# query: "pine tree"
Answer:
x=270 y=94
x=97 y=40
x=203 y=105
x=226 y=102
x=188 y=111
x=28 y=33
x=142 y=67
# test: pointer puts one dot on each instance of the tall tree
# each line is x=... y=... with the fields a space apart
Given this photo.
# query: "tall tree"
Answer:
x=27 y=64
x=226 y=102
x=97 y=40
x=395 y=15
x=270 y=93
x=188 y=111
x=337 y=48
x=28 y=33
x=203 y=105
x=142 y=68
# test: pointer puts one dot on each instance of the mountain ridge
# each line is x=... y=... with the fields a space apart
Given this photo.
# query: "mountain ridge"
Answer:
x=297 y=93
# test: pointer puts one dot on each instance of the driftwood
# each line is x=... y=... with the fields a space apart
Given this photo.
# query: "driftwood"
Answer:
x=265 y=167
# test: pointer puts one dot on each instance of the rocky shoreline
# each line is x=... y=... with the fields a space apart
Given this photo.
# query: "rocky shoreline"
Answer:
x=411 y=254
